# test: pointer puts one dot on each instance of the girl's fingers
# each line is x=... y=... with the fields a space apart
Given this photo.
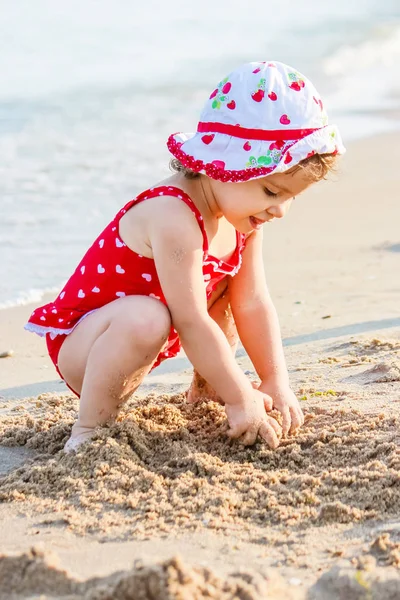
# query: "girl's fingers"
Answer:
x=297 y=420
x=250 y=436
x=286 y=419
x=267 y=432
x=235 y=432
x=275 y=426
x=268 y=402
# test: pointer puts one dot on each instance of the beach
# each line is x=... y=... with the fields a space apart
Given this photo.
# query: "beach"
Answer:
x=162 y=501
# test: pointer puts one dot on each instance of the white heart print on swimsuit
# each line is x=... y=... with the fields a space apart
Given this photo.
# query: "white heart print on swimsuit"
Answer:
x=263 y=117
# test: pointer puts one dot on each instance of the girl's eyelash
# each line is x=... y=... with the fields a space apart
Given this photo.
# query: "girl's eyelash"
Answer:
x=269 y=193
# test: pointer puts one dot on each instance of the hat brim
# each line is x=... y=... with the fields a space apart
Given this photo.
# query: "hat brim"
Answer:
x=228 y=158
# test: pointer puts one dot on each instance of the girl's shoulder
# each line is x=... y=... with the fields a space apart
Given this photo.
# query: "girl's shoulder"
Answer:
x=162 y=211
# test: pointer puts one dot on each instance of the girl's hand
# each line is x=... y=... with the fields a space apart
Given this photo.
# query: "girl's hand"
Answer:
x=250 y=419
x=286 y=402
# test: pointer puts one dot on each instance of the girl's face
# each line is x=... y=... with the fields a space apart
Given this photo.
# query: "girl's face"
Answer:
x=248 y=205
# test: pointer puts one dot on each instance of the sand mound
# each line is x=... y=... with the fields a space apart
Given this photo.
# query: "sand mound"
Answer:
x=167 y=466
x=348 y=583
x=383 y=372
x=374 y=345
x=386 y=550
x=357 y=352
x=35 y=573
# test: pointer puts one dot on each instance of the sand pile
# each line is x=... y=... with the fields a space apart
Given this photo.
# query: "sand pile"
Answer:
x=386 y=550
x=167 y=466
x=348 y=583
x=35 y=573
x=358 y=352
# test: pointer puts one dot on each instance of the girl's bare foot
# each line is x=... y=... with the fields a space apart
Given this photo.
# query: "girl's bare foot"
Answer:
x=79 y=435
x=201 y=390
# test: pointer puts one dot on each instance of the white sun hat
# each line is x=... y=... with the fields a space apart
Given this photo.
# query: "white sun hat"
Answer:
x=264 y=117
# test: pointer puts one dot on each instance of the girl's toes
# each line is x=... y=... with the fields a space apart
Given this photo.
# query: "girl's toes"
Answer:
x=78 y=439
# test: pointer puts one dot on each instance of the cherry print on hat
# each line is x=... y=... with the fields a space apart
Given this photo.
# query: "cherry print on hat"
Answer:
x=220 y=96
x=207 y=139
x=288 y=158
x=259 y=94
x=278 y=145
x=273 y=103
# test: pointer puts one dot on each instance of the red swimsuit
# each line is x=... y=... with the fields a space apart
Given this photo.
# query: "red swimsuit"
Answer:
x=110 y=270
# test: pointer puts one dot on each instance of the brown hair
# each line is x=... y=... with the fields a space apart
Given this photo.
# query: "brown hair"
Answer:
x=316 y=166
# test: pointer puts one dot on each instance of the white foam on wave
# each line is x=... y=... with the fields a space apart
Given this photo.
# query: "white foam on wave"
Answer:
x=29 y=297
x=365 y=73
x=382 y=50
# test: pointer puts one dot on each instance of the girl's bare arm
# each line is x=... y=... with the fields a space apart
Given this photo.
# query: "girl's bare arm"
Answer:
x=255 y=314
x=176 y=242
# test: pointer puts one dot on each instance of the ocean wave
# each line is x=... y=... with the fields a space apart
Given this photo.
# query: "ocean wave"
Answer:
x=29 y=297
x=380 y=50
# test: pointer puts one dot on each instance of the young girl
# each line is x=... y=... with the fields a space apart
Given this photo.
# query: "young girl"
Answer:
x=181 y=264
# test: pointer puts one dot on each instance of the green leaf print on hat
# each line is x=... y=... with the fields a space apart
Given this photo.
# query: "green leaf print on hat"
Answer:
x=259 y=94
x=220 y=95
x=265 y=160
x=297 y=82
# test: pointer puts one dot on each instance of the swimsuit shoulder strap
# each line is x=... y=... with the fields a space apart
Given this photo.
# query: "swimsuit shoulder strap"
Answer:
x=168 y=190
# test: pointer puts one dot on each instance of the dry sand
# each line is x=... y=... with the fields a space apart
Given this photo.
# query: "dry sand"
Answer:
x=318 y=518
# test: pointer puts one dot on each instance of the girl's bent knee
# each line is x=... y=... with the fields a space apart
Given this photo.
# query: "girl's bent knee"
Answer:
x=148 y=324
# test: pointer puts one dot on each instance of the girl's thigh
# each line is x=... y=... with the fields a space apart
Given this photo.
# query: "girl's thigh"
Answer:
x=132 y=317
x=220 y=289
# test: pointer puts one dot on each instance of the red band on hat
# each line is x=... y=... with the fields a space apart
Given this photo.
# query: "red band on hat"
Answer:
x=255 y=134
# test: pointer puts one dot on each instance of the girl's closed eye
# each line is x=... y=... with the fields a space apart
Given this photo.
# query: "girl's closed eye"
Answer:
x=270 y=193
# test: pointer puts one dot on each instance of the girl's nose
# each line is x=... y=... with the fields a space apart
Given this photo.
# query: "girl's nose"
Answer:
x=279 y=210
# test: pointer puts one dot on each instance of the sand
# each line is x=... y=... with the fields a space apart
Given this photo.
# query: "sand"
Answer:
x=168 y=466
x=163 y=505
x=37 y=573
